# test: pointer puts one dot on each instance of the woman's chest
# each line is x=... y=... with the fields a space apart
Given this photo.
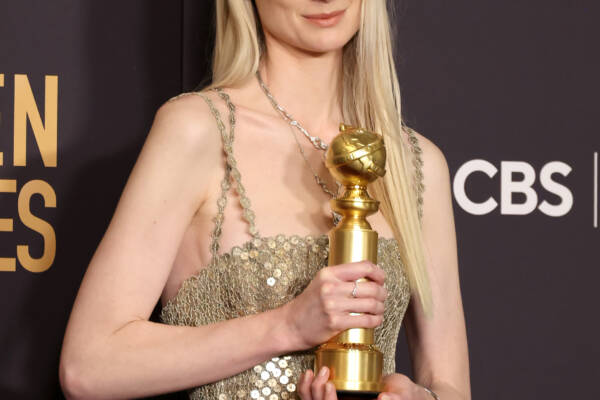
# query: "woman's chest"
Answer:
x=280 y=189
x=266 y=273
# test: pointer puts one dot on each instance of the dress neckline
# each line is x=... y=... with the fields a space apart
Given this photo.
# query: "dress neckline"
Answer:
x=216 y=260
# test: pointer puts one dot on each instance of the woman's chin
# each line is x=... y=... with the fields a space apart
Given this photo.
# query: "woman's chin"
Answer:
x=324 y=43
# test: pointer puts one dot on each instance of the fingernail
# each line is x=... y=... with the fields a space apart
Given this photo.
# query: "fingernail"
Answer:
x=384 y=397
x=329 y=387
x=323 y=371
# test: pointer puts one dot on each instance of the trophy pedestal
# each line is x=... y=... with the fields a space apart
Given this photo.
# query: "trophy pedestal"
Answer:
x=355 y=368
x=354 y=361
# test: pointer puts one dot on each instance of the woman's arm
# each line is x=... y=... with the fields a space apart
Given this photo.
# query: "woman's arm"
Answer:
x=110 y=349
x=438 y=346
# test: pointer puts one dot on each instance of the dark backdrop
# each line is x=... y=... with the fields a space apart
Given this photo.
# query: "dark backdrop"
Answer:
x=508 y=87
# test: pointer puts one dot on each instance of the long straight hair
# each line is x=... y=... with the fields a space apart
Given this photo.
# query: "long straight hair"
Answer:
x=371 y=99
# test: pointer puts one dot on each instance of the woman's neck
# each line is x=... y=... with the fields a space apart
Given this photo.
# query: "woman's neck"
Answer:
x=307 y=85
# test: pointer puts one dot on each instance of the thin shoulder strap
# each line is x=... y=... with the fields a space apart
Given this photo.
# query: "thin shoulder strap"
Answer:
x=418 y=164
x=231 y=170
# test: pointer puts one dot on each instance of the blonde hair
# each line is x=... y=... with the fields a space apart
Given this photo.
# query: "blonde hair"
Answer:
x=371 y=99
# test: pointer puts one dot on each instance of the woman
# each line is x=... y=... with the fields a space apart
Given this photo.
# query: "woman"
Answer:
x=247 y=319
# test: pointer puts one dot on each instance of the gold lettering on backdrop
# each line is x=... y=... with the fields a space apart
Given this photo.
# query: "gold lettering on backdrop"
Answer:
x=6 y=224
x=45 y=132
x=1 y=153
x=26 y=109
x=38 y=225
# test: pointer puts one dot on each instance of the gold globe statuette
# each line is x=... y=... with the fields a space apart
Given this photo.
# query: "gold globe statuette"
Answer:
x=355 y=158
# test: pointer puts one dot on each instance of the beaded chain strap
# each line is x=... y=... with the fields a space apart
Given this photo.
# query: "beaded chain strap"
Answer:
x=249 y=215
x=418 y=184
x=231 y=170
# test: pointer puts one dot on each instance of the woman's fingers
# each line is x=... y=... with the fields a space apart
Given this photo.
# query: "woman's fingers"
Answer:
x=310 y=388
x=356 y=270
x=364 y=289
x=396 y=383
x=317 y=387
x=370 y=305
x=304 y=384
x=330 y=393
x=360 y=321
x=389 y=396
x=309 y=384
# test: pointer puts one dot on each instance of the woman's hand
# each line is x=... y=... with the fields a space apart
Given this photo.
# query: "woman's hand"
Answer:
x=316 y=388
x=396 y=387
x=323 y=309
x=401 y=387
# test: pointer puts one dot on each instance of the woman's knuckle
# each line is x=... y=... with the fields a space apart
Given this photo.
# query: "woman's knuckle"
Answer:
x=372 y=304
x=332 y=322
x=377 y=288
x=400 y=379
x=326 y=289
x=323 y=274
x=366 y=321
x=329 y=305
x=374 y=320
x=313 y=385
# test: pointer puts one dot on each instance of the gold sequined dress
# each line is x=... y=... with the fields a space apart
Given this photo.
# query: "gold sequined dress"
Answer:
x=265 y=273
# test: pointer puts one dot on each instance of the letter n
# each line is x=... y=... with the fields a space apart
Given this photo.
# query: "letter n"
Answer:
x=26 y=109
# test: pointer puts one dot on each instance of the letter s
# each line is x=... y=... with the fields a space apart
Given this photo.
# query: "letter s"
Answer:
x=553 y=187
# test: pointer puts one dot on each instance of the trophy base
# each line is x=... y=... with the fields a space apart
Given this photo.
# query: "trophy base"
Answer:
x=352 y=395
x=355 y=369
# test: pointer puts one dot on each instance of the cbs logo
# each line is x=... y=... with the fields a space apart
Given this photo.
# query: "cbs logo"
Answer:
x=508 y=186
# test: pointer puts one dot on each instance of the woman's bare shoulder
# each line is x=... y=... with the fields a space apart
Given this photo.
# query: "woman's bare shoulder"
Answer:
x=182 y=146
x=186 y=120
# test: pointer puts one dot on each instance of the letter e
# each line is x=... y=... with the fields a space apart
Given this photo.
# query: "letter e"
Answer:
x=6 y=224
x=37 y=224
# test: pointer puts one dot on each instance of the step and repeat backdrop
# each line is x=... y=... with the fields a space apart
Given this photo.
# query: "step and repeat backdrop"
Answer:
x=508 y=91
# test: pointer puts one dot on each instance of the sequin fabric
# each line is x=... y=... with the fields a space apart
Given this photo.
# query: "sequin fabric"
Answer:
x=266 y=273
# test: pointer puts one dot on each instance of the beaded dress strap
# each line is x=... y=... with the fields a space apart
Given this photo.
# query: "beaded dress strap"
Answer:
x=248 y=214
x=418 y=164
x=231 y=170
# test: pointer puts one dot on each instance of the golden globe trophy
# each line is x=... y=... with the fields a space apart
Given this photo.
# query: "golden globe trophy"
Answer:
x=355 y=158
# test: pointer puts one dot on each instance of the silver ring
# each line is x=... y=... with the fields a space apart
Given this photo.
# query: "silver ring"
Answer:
x=354 y=290
x=431 y=392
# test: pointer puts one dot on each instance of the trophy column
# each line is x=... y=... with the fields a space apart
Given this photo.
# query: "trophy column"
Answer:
x=355 y=158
